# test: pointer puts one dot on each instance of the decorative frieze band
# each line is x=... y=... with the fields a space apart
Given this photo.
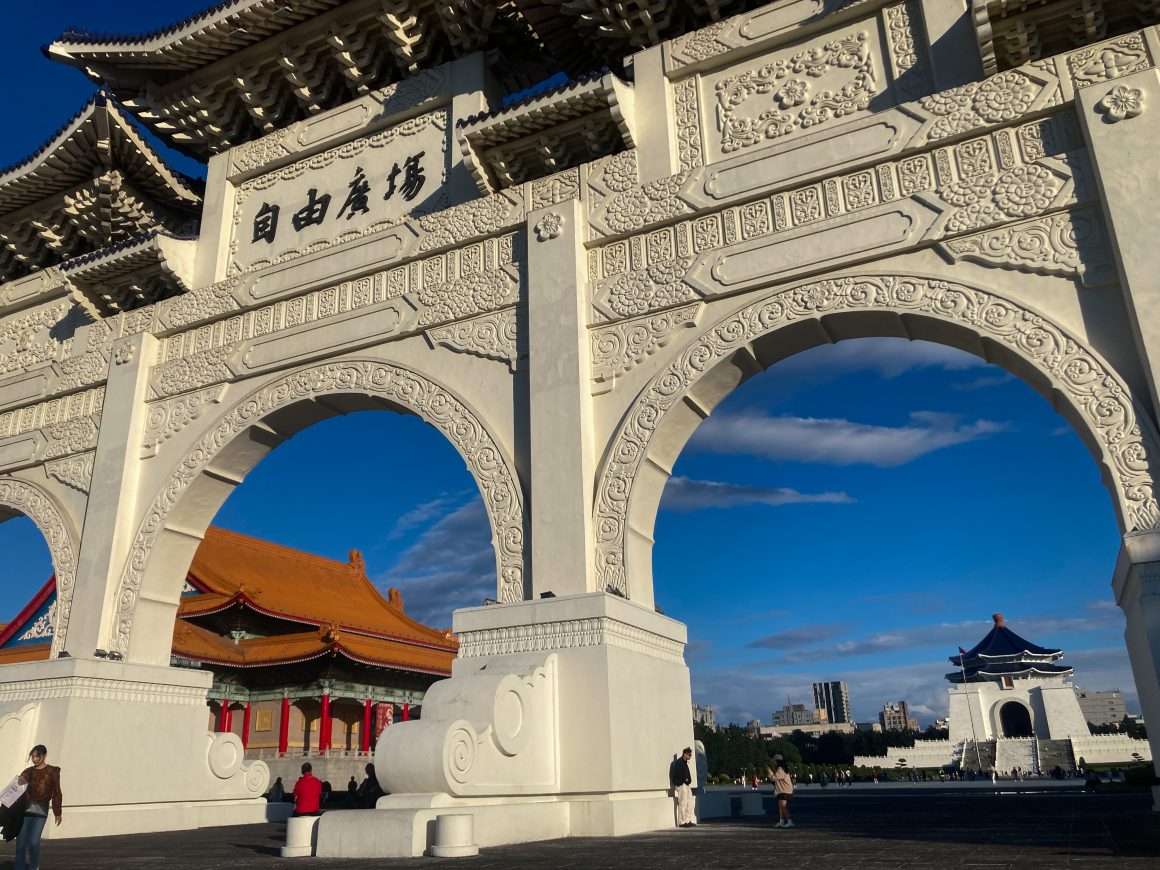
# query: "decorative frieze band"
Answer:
x=569 y=634
x=989 y=180
x=100 y=689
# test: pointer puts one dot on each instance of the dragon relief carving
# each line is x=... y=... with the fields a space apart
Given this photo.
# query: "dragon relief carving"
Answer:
x=1099 y=397
x=493 y=470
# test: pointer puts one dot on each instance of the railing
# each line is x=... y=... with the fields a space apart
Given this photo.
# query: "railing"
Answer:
x=263 y=754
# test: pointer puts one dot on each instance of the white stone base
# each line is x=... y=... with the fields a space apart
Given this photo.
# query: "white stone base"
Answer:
x=154 y=817
x=403 y=826
x=132 y=745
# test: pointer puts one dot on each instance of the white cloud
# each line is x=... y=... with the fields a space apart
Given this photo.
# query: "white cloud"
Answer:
x=837 y=441
x=422 y=514
x=450 y=565
x=685 y=496
x=889 y=357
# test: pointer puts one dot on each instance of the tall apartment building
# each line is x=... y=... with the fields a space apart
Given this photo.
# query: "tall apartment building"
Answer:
x=896 y=717
x=834 y=698
x=1101 y=708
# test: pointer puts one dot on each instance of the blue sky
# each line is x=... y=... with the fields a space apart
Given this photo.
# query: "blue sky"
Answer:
x=857 y=512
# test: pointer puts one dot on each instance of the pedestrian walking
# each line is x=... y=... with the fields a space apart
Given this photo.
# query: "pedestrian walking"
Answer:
x=681 y=779
x=42 y=793
x=783 y=790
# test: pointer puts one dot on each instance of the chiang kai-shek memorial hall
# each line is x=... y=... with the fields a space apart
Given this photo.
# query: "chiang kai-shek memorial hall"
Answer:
x=563 y=280
x=1012 y=705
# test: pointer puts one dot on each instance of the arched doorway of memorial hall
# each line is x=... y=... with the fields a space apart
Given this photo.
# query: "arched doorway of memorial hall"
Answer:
x=866 y=501
x=1015 y=720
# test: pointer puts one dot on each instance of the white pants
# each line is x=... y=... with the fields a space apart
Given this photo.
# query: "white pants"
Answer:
x=684 y=796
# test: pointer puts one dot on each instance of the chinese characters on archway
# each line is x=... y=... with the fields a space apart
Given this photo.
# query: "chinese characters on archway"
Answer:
x=404 y=181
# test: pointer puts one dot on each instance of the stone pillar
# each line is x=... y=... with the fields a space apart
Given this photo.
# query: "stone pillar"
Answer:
x=1121 y=122
x=1137 y=588
x=364 y=743
x=112 y=514
x=655 y=132
x=246 y=726
x=324 y=724
x=954 y=46
x=284 y=726
x=560 y=404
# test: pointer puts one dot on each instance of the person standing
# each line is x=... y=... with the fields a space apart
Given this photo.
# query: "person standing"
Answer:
x=681 y=780
x=370 y=791
x=783 y=789
x=43 y=791
x=277 y=791
x=307 y=793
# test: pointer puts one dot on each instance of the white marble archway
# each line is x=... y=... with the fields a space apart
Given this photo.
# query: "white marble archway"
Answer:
x=33 y=502
x=1083 y=387
x=246 y=431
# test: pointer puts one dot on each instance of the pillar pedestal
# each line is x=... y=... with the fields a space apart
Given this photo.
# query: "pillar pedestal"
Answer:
x=561 y=718
x=110 y=727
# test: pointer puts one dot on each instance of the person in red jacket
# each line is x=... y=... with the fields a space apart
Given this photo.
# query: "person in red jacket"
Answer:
x=307 y=793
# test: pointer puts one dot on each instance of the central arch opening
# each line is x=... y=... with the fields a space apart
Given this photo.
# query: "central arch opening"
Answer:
x=1015 y=720
x=855 y=513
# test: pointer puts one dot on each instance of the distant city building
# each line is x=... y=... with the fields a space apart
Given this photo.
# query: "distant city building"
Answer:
x=1101 y=708
x=796 y=714
x=705 y=716
x=896 y=717
x=753 y=726
x=1013 y=706
x=941 y=725
x=872 y=727
x=834 y=698
x=814 y=729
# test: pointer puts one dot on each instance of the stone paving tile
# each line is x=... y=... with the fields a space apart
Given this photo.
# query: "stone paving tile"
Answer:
x=911 y=829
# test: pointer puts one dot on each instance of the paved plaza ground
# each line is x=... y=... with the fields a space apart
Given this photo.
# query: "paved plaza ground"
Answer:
x=931 y=825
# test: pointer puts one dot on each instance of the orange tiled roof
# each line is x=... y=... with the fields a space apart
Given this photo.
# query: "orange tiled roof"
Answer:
x=33 y=652
x=302 y=587
x=199 y=644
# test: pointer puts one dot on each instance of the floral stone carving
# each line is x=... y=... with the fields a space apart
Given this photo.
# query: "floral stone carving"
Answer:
x=1121 y=103
x=42 y=510
x=493 y=470
x=492 y=336
x=1100 y=399
x=621 y=347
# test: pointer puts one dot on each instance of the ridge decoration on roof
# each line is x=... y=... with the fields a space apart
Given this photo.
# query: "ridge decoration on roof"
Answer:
x=245 y=68
x=1001 y=653
x=95 y=183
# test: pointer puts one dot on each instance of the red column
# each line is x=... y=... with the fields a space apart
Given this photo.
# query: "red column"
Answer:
x=223 y=712
x=227 y=716
x=406 y=712
x=324 y=725
x=364 y=737
x=284 y=727
x=246 y=726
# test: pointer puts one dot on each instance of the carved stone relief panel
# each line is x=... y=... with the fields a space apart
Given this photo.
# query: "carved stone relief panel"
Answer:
x=349 y=191
x=1007 y=175
x=828 y=78
x=1109 y=60
x=621 y=347
x=491 y=336
x=475 y=278
x=165 y=419
x=1070 y=243
x=75 y=471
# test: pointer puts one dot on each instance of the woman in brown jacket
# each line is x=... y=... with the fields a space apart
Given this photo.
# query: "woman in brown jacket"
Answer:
x=43 y=790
